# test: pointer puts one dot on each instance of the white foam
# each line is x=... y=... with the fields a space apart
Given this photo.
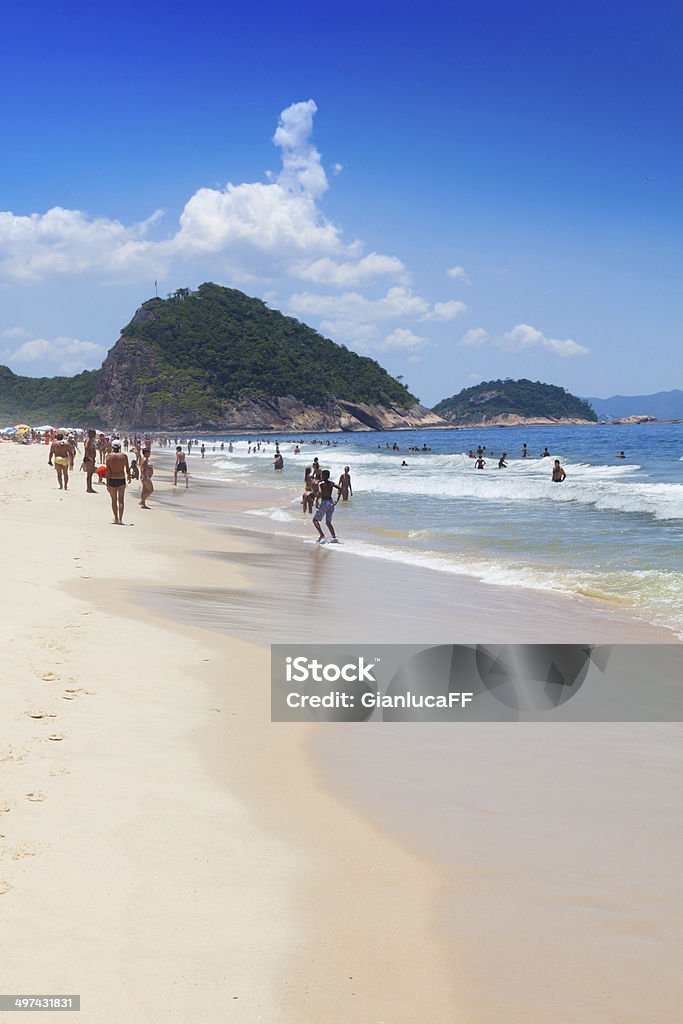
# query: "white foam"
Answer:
x=277 y=514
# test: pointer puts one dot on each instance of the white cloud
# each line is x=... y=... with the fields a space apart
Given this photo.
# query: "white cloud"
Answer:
x=459 y=274
x=357 y=272
x=61 y=355
x=445 y=310
x=61 y=241
x=337 y=168
x=476 y=337
x=252 y=230
x=302 y=169
x=401 y=339
x=524 y=336
x=521 y=338
x=14 y=333
x=349 y=332
x=399 y=301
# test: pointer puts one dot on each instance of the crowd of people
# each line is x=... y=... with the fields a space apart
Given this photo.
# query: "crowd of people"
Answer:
x=117 y=461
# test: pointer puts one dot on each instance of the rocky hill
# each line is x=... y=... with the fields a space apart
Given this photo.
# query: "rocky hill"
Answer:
x=513 y=402
x=216 y=358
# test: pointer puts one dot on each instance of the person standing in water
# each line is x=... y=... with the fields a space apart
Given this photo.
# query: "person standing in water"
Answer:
x=558 y=473
x=346 y=490
x=326 y=508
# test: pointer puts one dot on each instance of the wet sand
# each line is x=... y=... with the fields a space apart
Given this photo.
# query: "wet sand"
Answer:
x=557 y=845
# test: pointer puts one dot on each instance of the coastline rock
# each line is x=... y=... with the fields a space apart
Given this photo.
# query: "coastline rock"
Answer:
x=156 y=403
x=636 y=419
x=508 y=419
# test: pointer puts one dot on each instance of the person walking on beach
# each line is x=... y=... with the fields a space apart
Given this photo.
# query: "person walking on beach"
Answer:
x=59 y=451
x=558 y=473
x=146 y=473
x=180 y=467
x=89 y=463
x=346 y=489
x=118 y=473
x=326 y=506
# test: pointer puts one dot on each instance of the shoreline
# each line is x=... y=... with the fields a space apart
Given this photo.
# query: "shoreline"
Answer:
x=450 y=602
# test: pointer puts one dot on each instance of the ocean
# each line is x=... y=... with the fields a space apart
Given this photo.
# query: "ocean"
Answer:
x=612 y=531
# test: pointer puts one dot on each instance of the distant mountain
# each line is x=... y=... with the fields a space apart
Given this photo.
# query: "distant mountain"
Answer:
x=664 y=405
x=509 y=402
x=217 y=358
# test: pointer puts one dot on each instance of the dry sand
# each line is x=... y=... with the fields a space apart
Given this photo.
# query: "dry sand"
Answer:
x=165 y=851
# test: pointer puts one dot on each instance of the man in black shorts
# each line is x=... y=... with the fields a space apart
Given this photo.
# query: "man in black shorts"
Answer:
x=180 y=466
x=118 y=473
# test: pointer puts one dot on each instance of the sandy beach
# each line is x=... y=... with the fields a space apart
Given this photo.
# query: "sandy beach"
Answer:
x=170 y=855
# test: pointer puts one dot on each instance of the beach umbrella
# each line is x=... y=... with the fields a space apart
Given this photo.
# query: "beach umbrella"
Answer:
x=8 y=430
x=21 y=426
x=45 y=426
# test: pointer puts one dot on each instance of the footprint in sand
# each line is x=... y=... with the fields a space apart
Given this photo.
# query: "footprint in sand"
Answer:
x=36 y=797
x=49 y=677
x=17 y=756
x=41 y=714
x=58 y=771
x=5 y=808
x=56 y=736
x=25 y=850
x=5 y=887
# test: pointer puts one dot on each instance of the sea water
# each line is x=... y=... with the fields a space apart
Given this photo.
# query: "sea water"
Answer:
x=612 y=531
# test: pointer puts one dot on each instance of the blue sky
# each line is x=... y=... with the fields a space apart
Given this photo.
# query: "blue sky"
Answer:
x=461 y=191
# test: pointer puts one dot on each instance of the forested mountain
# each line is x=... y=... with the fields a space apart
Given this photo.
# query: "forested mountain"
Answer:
x=217 y=358
x=61 y=401
x=513 y=400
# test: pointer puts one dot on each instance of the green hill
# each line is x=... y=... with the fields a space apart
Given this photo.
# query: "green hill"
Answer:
x=217 y=358
x=229 y=346
x=510 y=399
x=61 y=401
